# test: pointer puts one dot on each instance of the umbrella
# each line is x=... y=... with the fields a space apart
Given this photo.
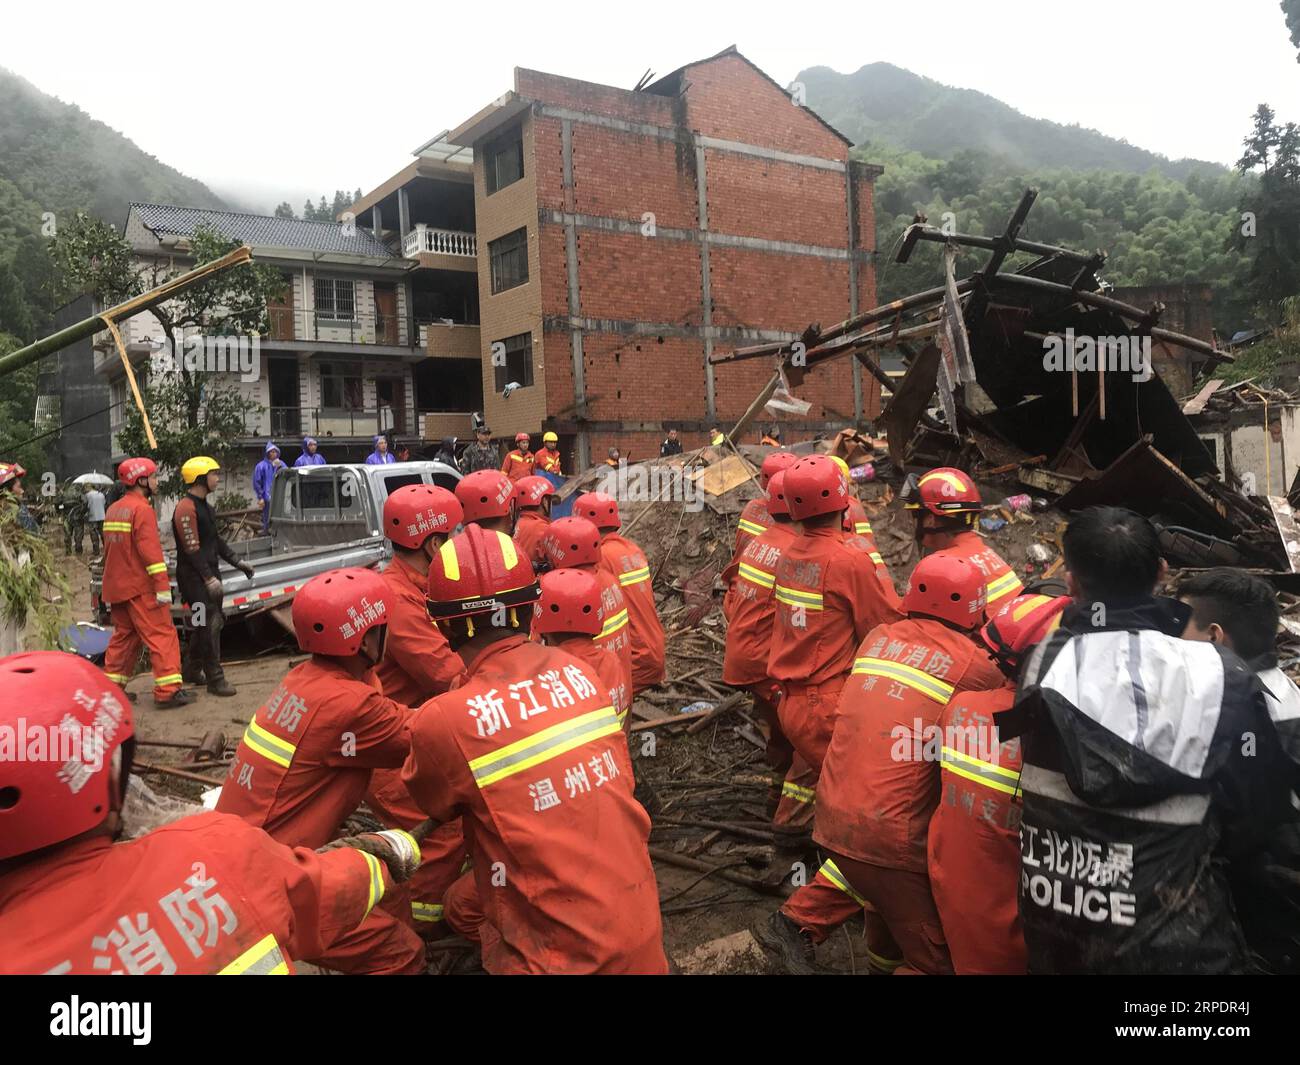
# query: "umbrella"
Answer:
x=92 y=478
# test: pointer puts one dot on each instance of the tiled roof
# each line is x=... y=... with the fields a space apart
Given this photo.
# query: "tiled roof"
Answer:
x=259 y=230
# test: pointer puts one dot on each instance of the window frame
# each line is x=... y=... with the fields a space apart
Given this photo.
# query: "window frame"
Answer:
x=496 y=256
x=329 y=310
x=502 y=375
x=494 y=151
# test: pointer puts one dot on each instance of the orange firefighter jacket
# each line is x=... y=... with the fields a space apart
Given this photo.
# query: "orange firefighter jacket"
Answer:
x=750 y=606
x=530 y=754
x=607 y=667
x=626 y=563
x=974 y=846
x=1003 y=584
x=305 y=759
x=753 y=520
x=529 y=530
x=548 y=461
x=133 y=555
x=417 y=663
x=205 y=894
x=880 y=777
x=518 y=464
x=827 y=599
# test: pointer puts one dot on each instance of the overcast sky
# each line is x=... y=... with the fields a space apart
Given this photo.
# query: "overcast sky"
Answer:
x=280 y=99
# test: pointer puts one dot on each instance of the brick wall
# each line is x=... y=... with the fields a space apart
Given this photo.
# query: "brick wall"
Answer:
x=641 y=296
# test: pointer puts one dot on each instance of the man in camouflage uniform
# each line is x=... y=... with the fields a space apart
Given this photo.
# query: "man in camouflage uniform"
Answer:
x=72 y=508
x=483 y=454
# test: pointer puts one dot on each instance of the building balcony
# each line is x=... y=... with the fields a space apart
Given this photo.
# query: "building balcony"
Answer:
x=316 y=327
x=441 y=249
x=449 y=340
x=287 y=425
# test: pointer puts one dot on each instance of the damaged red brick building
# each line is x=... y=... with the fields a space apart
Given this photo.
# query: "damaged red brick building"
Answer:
x=625 y=235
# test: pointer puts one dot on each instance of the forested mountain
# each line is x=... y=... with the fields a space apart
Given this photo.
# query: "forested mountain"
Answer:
x=885 y=104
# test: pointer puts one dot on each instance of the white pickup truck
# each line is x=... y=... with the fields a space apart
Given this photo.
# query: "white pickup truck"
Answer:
x=322 y=517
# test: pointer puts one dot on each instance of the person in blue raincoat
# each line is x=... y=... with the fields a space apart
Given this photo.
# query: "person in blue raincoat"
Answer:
x=381 y=454
x=310 y=456
x=263 y=477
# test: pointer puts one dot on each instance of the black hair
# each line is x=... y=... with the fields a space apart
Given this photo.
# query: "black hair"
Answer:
x=1113 y=554
x=830 y=517
x=1241 y=604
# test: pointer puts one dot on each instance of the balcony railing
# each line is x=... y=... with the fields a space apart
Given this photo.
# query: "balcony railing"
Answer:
x=326 y=422
x=439 y=242
x=288 y=323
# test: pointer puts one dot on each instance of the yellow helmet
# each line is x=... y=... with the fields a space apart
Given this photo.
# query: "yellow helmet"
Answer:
x=198 y=466
x=550 y=438
x=844 y=466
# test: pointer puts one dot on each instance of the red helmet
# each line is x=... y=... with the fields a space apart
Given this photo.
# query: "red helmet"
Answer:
x=522 y=438
x=530 y=491
x=485 y=494
x=570 y=602
x=333 y=611
x=1020 y=624
x=775 y=463
x=132 y=471
x=814 y=486
x=79 y=713
x=415 y=512
x=571 y=542
x=947 y=586
x=476 y=572
x=776 y=501
x=10 y=471
x=944 y=491
x=599 y=508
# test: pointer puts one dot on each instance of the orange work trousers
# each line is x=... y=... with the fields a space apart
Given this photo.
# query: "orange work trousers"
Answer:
x=828 y=900
x=900 y=900
x=463 y=910
x=806 y=714
x=144 y=622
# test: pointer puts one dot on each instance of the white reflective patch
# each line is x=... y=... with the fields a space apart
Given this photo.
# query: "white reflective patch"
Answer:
x=1175 y=810
x=1161 y=694
x=1283 y=697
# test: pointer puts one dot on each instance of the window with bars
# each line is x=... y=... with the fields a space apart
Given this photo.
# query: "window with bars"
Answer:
x=508 y=256
x=335 y=299
x=504 y=161
x=519 y=362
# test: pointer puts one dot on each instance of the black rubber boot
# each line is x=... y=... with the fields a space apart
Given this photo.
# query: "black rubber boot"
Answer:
x=181 y=698
x=793 y=949
x=221 y=687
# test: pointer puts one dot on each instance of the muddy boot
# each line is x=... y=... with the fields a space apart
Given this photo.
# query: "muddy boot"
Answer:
x=220 y=686
x=791 y=845
x=793 y=948
x=194 y=676
x=181 y=698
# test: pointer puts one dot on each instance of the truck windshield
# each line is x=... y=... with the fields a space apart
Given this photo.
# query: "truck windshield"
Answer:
x=333 y=496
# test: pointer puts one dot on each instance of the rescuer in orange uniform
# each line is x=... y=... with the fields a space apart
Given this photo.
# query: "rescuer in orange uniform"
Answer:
x=417 y=665
x=529 y=753
x=205 y=894
x=136 y=587
x=548 y=459
x=533 y=497
x=569 y=615
x=623 y=560
x=858 y=532
x=947 y=505
x=750 y=609
x=754 y=518
x=974 y=843
x=575 y=543
x=487 y=498
x=520 y=461
x=880 y=779
x=827 y=599
x=305 y=759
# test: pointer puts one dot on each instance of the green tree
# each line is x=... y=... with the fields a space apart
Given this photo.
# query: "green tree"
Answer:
x=1269 y=234
x=1291 y=9
x=192 y=411
x=285 y=211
